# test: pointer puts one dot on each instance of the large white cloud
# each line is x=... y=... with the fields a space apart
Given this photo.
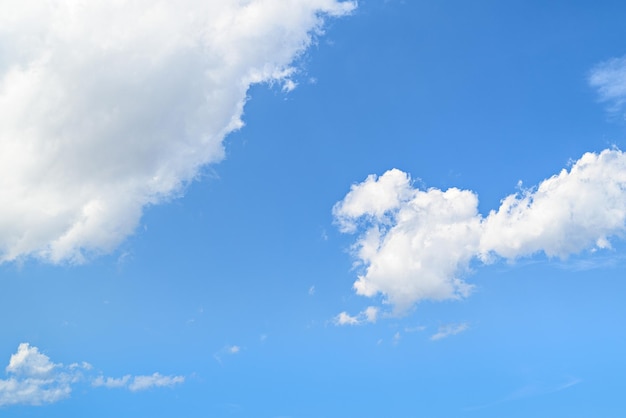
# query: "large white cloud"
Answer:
x=33 y=379
x=108 y=106
x=418 y=244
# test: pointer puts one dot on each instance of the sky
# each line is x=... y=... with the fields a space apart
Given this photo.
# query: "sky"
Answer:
x=312 y=208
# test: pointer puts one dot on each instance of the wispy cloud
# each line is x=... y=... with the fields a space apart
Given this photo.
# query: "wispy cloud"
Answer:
x=33 y=379
x=529 y=391
x=137 y=383
x=448 y=330
x=418 y=244
x=230 y=350
x=124 y=103
x=609 y=78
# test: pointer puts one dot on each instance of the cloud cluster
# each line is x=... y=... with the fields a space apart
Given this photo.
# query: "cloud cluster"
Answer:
x=33 y=379
x=418 y=244
x=111 y=106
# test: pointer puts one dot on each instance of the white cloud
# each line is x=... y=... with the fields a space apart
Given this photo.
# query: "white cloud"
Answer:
x=370 y=314
x=154 y=380
x=343 y=318
x=609 y=78
x=137 y=383
x=111 y=106
x=33 y=379
x=415 y=244
x=448 y=330
x=234 y=349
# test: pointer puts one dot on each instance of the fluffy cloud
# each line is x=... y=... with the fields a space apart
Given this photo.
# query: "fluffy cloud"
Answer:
x=111 y=106
x=609 y=78
x=33 y=379
x=418 y=244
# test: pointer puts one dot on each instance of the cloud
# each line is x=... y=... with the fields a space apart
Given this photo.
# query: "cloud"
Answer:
x=413 y=243
x=230 y=350
x=445 y=331
x=609 y=78
x=370 y=314
x=137 y=383
x=33 y=379
x=111 y=382
x=154 y=380
x=108 y=107
x=417 y=244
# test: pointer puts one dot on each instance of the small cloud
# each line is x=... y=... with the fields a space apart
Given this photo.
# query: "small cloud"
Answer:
x=345 y=319
x=370 y=314
x=154 y=380
x=448 y=330
x=311 y=290
x=227 y=350
x=396 y=338
x=289 y=85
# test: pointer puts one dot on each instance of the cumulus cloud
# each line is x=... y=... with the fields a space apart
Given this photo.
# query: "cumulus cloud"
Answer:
x=418 y=244
x=33 y=379
x=609 y=78
x=448 y=330
x=111 y=106
x=370 y=314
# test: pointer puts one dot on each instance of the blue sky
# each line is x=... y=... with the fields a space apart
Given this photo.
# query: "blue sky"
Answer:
x=312 y=208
